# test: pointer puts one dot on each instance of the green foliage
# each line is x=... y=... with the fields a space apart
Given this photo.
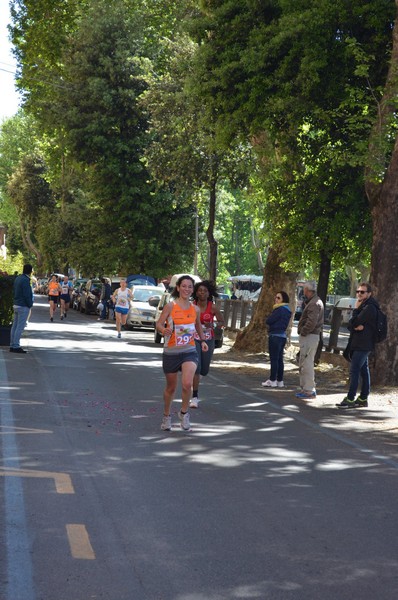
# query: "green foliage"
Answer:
x=13 y=263
x=301 y=79
x=6 y=299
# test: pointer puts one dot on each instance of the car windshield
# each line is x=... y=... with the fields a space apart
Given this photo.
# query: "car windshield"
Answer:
x=144 y=295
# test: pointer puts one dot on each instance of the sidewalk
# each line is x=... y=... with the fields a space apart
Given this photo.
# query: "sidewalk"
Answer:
x=381 y=417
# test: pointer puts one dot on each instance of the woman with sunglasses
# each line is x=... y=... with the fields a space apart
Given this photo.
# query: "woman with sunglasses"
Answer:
x=362 y=327
x=277 y=322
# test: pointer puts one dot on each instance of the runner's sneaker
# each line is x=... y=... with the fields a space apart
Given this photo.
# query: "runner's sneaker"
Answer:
x=62 y=317
x=347 y=403
x=166 y=423
x=280 y=384
x=119 y=335
x=269 y=383
x=361 y=402
x=194 y=402
x=305 y=394
x=184 y=418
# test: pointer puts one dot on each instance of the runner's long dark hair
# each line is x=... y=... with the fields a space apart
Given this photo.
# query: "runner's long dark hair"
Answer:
x=211 y=288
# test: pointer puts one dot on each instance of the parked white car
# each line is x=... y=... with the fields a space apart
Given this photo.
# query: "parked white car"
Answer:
x=141 y=313
x=346 y=305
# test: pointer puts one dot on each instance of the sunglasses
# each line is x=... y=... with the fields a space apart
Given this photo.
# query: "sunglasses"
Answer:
x=362 y=292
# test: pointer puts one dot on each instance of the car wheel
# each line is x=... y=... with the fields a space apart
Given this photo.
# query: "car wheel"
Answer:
x=157 y=338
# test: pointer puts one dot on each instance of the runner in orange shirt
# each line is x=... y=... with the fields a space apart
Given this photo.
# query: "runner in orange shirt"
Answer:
x=54 y=292
x=178 y=322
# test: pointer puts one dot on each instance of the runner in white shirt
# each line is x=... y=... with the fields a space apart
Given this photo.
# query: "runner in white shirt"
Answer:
x=66 y=290
x=121 y=299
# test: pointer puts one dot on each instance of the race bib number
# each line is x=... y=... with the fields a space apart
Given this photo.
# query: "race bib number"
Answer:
x=207 y=333
x=122 y=302
x=184 y=334
x=65 y=289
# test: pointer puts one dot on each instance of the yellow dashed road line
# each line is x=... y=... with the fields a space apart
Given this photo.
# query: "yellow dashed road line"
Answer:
x=79 y=542
x=62 y=481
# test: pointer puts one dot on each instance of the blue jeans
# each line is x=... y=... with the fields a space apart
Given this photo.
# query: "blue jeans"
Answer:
x=359 y=368
x=21 y=314
x=276 y=345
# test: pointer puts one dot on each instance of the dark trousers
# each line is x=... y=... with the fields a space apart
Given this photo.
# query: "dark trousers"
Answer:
x=359 y=367
x=276 y=345
x=104 y=309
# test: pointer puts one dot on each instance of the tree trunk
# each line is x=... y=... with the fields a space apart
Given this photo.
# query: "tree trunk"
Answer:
x=324 y=274
x=213 y=244
x=383 y=198
x=30 y=246
x=253 y=338
x=384 y=273
x=322 y=291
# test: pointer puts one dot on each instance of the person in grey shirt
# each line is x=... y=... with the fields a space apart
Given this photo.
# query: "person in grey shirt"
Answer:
x=23 y=302
x=309 y=329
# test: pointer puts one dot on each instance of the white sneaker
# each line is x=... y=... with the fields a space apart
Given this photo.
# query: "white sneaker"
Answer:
x=269 y=383
x=166 y=423
x=280 y=384
x=194 y=402
x=185 y=424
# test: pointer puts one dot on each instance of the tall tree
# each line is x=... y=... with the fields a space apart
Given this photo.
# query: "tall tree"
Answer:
x=382 y=191
x=184 y=151
x=30 y=194
x=291 y=77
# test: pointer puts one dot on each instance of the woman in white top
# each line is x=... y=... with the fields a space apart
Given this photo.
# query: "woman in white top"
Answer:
x=121 y=299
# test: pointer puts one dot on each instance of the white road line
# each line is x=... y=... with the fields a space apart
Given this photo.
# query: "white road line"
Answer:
x=19 y=564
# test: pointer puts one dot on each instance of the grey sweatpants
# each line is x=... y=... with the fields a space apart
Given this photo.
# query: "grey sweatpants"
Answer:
x=308 y=346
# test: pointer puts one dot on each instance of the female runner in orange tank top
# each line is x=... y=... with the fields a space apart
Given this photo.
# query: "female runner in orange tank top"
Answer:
x=54 y=291
x=178 y=322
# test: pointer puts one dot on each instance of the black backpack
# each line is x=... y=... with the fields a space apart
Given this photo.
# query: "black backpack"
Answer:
x=381 y=326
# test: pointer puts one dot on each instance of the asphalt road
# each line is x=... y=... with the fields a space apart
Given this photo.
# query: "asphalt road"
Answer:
x=262 y=500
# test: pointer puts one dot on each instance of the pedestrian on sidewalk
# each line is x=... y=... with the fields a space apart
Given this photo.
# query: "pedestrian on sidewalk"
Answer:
x=362 y=327
x=121 y=299
x=178 y=322
x=106 y=292
x=204 y=295
x=23 y=302
x=309 y=329
x=278 y=322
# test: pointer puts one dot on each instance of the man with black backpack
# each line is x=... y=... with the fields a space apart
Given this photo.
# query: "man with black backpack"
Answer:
x=363 y=327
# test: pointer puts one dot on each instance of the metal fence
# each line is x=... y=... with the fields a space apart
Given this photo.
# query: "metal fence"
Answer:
x=238 y=313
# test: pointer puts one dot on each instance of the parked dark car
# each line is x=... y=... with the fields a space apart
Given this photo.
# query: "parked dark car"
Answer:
x=90 y=296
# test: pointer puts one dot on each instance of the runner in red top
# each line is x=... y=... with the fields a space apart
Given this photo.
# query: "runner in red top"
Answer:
x=204 y=295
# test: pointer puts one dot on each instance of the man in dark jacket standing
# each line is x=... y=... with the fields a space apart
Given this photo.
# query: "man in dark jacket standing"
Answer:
x=23 y=302
x=362 y=326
